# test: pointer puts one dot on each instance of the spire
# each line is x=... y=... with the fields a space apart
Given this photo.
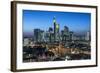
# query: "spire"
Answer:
x=54 y=19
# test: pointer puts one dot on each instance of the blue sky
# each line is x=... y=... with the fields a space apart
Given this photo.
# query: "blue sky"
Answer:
x=77 y=22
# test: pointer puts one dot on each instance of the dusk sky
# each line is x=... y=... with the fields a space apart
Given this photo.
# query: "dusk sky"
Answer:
x=77 y=22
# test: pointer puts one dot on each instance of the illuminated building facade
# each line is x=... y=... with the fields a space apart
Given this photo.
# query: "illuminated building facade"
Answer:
x=56 y=30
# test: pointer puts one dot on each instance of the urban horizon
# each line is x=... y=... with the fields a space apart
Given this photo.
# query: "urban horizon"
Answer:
x=53 y=39
x=79 y=23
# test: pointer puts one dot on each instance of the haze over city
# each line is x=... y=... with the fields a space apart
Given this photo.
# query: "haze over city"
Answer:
x=77 y=22
x=56 y=36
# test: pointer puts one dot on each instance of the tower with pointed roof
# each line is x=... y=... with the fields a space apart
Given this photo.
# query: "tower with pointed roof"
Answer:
x=56 y=30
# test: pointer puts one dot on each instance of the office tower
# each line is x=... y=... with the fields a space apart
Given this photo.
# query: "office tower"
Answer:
x=46 y=35
x=66 y=34
x=42 y=33
x=50 y=34
x=66 y=29
x=56 y=30
x=71 y=36
x=38 y=35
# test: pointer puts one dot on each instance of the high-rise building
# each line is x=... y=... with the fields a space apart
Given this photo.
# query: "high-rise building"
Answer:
x=56 y=30
x=46 y=36
x=66 y=29
x=71 y=35
x=42 y=34
x=87 y=37
x=62 y=35
x=50 y=34
x=38 y=35
x=65 y=34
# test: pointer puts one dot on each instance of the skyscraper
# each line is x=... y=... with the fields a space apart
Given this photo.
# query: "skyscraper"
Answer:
x=56 y=30
x=38 y=35
x=66 y=34
x=50 y=34
x=71 y=35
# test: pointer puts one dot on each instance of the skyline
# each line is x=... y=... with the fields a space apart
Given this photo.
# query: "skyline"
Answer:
x=75 y=21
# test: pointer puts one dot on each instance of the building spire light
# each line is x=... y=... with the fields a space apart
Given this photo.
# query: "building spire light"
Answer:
x=54 y=19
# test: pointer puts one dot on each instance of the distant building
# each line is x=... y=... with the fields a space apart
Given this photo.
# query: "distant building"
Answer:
x=51 y=34
x=56 y=30
x=79 y=37
x=38 y=35
x=71 y=35
x=46 y=35
x=26 y=42
x=66 y=29
x=42 y=33
x=87 y=37
x=65 y=34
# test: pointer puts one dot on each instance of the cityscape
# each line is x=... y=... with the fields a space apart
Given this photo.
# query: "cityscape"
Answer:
x=56 y=43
